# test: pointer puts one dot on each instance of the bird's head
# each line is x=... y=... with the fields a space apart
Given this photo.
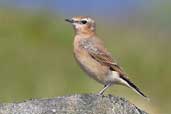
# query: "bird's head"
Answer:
x=82 y=24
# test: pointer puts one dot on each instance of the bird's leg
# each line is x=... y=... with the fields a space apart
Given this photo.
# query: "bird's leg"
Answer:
x=103 y=90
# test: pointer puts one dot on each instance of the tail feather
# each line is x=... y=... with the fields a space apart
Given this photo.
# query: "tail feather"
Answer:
x=134 y=87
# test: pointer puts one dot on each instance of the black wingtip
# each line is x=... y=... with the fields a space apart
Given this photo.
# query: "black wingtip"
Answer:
x=133 y=86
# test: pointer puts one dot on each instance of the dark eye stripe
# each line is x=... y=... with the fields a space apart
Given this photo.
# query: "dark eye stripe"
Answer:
x=76 y=21
x=83 y=22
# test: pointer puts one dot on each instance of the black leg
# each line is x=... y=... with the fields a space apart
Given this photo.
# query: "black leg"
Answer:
x=103 y=90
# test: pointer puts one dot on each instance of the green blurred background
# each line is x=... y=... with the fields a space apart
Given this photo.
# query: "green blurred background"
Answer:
x=36 y=58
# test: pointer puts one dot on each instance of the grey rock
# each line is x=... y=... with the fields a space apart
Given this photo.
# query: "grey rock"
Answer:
x=74 y=104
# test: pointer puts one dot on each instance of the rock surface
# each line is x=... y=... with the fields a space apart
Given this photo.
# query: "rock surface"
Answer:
x=74 y=104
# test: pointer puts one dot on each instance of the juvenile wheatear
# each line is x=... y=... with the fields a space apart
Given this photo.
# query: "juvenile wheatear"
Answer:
x=94 y=58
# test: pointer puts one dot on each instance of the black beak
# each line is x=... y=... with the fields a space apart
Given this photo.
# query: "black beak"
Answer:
x=69 y=20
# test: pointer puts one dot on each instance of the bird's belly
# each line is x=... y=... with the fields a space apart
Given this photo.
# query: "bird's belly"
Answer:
x=92 y=67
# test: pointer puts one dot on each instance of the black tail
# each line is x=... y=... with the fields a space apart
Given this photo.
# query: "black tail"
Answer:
x=134 y=87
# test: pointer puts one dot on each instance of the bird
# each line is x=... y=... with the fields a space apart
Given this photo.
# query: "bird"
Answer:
x=92 y=56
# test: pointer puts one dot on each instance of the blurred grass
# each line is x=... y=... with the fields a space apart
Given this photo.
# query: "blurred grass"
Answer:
x=36 y=59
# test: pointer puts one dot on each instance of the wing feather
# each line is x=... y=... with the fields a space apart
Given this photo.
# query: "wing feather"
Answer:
x=106 y=59
x=101 y=55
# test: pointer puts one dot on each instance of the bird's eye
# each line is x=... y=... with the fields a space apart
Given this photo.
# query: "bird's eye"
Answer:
x=83 y=21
